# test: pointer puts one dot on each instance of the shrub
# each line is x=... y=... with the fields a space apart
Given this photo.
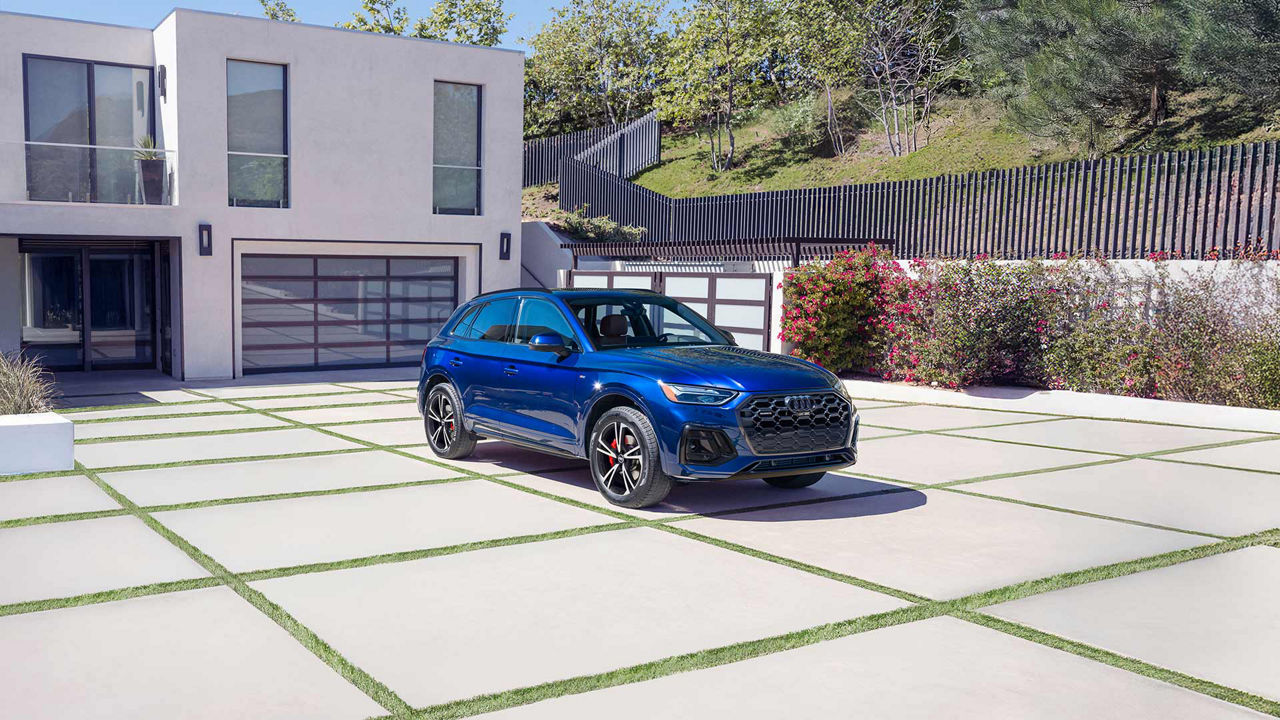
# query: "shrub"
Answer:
x=971 y=322
x=580 y=226
x=830 y=307
x=25 y=386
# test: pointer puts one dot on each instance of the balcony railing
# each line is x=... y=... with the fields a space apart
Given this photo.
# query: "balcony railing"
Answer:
x=58 y=172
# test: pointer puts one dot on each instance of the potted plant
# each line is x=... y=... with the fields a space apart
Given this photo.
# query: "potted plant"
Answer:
x=151 y=167
x=32 y=437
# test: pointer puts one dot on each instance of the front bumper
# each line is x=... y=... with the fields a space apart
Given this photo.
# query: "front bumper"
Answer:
x=747 y=464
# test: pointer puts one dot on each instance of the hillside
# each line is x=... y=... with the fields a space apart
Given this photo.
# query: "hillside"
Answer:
x=968 y=135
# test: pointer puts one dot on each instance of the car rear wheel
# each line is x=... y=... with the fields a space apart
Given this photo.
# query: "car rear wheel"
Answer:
x=792 y=482
x=624 y=459
x=443 y=420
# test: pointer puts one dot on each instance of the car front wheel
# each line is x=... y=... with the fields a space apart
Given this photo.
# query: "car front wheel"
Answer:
x=442 y=417
x=624 y=459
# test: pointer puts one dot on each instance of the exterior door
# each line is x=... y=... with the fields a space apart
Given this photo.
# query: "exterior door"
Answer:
x=541 y=386
x=89 y=308
x=305 y=312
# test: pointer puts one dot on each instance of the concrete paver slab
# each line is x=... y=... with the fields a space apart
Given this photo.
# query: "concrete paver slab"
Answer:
x=336 y=527
x=307 y=401
x=144 y=398
x=51 y=496
x=39 y=562
x=262 y=391
x=937 y=668
x=398 y=432
x=203 y=423
x=699 y=497
x=384 y=384
x=456 y=626
x=164 y=486
x=931 y=459
x=413 y=394
x=497 y=458
x=1213 y=618
x=1263 y=455
x=195 y=654
x=1188 y=497
x=138 y=412
x=320 y=416
x=934 y=417
x=940 y=544
x=212 y=447
x=1126 y=438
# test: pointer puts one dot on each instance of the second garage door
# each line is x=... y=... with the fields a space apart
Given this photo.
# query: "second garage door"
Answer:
x=307 y=312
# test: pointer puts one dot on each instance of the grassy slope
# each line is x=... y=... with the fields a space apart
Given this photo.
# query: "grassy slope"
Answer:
x=968 y=135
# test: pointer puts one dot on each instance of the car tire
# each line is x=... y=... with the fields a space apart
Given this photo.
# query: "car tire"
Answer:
x=792 y=482
x=633 y=481
x=442 y=420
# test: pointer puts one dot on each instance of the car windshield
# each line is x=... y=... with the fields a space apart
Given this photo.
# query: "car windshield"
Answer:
x=614 y=322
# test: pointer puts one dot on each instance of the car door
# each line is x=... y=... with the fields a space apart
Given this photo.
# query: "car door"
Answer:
x=544 y=390
x=475 y=357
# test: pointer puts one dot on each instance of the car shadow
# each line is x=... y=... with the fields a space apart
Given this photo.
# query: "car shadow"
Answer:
x=833 y=497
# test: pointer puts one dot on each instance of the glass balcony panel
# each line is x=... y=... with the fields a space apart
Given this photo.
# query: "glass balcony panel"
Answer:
x=98 y=174
x=258 y=181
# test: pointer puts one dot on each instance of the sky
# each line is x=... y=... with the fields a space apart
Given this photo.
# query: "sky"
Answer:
x=529 y=14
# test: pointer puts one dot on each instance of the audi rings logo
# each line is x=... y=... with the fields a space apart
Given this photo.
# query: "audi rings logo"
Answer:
x=800 y=404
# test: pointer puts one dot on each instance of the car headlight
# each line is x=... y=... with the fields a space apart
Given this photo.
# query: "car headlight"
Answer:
x=696 y=394
x=838 y=385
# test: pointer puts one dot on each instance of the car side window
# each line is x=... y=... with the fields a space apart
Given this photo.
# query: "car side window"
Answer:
x=538 y=316
x=463 y=326
x=495 y=322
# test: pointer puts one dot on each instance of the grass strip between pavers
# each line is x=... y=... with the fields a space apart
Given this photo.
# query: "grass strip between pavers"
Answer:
x=378 y=692
x=168 y=416
x=921 y=609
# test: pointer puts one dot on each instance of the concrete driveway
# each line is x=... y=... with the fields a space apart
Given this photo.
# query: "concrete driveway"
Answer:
x=295 y=551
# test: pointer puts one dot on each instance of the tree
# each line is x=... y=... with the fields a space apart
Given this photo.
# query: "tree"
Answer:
x=820 y=40
x=1078 y=67
x=278 y=10
x=474 y=22
x=596 y=62
x=905 y=58
x=380 y=16
x=717 y=68
x=1234 y=45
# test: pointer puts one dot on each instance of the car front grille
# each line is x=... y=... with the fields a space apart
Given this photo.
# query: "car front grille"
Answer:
x=795 y=422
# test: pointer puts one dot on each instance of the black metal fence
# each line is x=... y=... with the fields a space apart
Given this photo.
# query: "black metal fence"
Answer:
x=542 y=158
x=1192 y=203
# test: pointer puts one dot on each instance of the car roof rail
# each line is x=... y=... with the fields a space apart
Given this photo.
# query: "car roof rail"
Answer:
x=512 y=290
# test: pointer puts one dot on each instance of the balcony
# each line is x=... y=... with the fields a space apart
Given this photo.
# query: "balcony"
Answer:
x=58 y=172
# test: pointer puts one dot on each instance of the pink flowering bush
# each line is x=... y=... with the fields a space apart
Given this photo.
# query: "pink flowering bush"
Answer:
x=830 y=307
x=1208 y=333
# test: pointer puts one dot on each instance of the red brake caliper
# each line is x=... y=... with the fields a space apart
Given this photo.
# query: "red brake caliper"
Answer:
x=613 y=444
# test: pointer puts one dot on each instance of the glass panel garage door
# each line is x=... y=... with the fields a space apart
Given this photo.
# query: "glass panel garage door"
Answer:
x=302 y=312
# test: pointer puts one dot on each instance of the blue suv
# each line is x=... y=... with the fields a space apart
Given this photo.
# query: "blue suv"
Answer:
x=638 y=384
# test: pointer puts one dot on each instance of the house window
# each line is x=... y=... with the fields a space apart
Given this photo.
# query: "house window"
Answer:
x=257 y=135
x=456 y=178
x=84 y=123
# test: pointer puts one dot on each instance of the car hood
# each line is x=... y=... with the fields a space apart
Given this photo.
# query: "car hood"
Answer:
x=724 y=366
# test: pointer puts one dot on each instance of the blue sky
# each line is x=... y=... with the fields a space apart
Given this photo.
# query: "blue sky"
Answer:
x=529 y=14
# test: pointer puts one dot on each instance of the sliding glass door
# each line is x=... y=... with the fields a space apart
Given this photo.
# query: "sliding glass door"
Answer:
x=114 y=290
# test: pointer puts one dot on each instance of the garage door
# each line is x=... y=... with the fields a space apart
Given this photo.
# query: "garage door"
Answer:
x=307 y=312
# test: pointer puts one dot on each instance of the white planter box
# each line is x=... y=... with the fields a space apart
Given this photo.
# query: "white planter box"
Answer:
x=38 y=442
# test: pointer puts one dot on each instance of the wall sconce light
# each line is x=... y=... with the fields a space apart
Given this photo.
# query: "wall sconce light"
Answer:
x=504 y=246
x=206 y=239
x=161 y=76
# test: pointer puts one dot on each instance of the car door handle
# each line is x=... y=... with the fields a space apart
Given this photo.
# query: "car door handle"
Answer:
x=455 y=362
x=511 y=370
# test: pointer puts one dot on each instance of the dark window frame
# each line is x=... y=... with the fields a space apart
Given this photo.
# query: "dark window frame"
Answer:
x=92 y=106
x=286 y=202
x=315 y=323
x=479 y=210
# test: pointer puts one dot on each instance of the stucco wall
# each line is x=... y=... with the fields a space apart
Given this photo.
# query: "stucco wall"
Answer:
x=360 y=149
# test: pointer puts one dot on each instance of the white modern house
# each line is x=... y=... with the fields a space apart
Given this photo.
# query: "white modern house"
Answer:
x=224 y=195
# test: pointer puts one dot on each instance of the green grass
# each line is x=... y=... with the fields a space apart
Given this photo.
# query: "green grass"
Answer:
x=969 y=135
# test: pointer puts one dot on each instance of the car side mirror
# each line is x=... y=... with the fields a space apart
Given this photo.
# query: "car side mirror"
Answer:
x=728 y=335
x=550 y=342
